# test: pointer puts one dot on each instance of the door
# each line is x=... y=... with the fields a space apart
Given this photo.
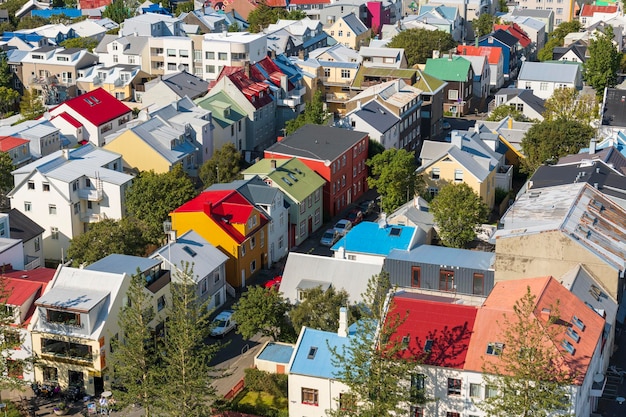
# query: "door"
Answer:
x=310 y=225
x=98 y=384
x=243 y=278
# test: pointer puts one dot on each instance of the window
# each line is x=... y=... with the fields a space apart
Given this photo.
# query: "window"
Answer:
x=340 y=33
x=317 y=216
x=50 y=374
x=210 y=55
x=528 y=86
x=37 y=244
x=309 y=201
x=478 y=287
x=302 y=228
x=183 y=53
x=171 y=52
x=205 y=286
x=491 y=391
x=417 y=386
x=210 y=69
x=317 y=195
x=161 y=303
x=452 y=414
x=54 y=233
x=252 y=242
x=253 y=266
x=416 y=275
x=446 y=280
x=494 y=349
x=171 y=66
x=31 y=185
x=543 y=86
x=559 y=10
x=262 y=235
x=453 y=94
x=345 y=73
x=326 y=72
x=458 y=175
x=310 y=396
x=454 y=386
x=46 y=186
x=280 y=242
x=76 y=208
x=416 y=411
x=216 y=277
x=434 y=174
x=27 y=206
x=52 y=209
x=243 y=249
x=222 y=56
x=475 y=390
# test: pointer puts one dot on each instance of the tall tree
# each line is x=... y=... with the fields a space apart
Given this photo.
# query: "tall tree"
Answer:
x=556 y=38
x=6 y=178
x=261 y=310
x=534 y=383
x=31 y=105
x=263 y=16
x=186 y=357
x=185 y=7
x=600 y=70
x=314 y=113
x=457 y=210
x=8 y=100
x=83 y=43
x=320 y=309
x=570 y=104
x=418 y=44
x=484 y=24
x=371 y=364
x=505 y=110
x=549 y=140
x=134 y=356
x=152 y=196
x=117 y=11
x=393 y=175
x=11 y=368
x=224 y=166
x=6 y=76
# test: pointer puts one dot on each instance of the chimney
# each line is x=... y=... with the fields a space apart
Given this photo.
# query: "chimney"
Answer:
x=509 y=123
x=450 y=55
x=545 y=313
x=273 y=163
x=273 y=54
x=592 y=146
x=358 y=104
x=301 y=54
x=456 y=139
x=246 y=68
x=208 y=208
x=284 y=83
x=343 y=322
x=66 y=154
x=595 y=185
x=171 y=236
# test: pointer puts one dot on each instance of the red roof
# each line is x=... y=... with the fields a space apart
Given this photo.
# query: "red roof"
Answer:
x=93 y=4
x=266 y=70
x=21 y=290
x=257 y=93
x=276 y=3
x=493 y=53
x=516 y=31
x=10 y=142
x=589 y=10
x=71 y=120
x=97 y=107
x=448 y=326
x=304 y=2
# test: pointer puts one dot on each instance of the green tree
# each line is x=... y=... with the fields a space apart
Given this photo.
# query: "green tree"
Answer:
x=556 y=38
x=223 y=167
x=505 y=110
x=535 y=382
x=11 y=7
x=261 y=310
x=185 y=7
x=6 y=76
x=31 y=106
x=185 y=359
x=484 y=24
x=134 y=355
x=320 y=309
x=6 y=178
x=263 y=16
x=153 y=196
x=418 y=44
x=570 y=104
x=8 y=99
x=549 y=140
x=393 y=175
x=372 y=363
x=296 y=15
x=117 y=11
x=31 y=22
x=314 y=113
x=234 y=27
x=6 y=27
x=83 y=43
x=10 y=339
x=600 y=70
x=457 y=211
x=125 y=236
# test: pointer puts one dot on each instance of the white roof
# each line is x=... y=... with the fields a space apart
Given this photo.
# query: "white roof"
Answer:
x=233 y=37
x=87 y=28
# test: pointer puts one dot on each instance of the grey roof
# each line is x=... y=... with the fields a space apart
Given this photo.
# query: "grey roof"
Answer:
x=183 y=84
x=77 y=299
x=22 y=227
x=432 y=152
x=614 y=108
x=502 y=36
x=123 y=264
x=548 y=71
x=417 y=211
x=441 y=255
x=532 y=13
x=578 y=48
x=609 y=155
x=355 y=24
x=536 y=103
x=255 y=190
x=318 y=142
x=377 y=116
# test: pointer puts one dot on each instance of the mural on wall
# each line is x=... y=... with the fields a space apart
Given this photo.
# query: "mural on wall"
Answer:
x=219 y=6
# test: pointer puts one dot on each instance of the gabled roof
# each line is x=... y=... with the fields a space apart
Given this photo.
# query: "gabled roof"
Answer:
x=376 y=116
x=492 y=53
x=97 y=107
x=548 y=71
x=255 y=190
x=589 y=10
x=11 y=142
x=455 y=68
x=516 y=31
x=354 y=23
x=610 y=155
x=372 y=239
x=578 y=48
x=183 y=84
x=445 y=12
x=417 y=211
x=428 y=84
x=441 y=255
x=20 y=290
x=224 y=110
x=22 y=227
x=527 y=96
x=313 y=353
x=257 y=93
x=267 y=71
x=432 y=152
x=68 y=118
x=501 y=36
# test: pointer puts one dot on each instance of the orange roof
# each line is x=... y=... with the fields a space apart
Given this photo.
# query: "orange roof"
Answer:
x=10 y=142
x=548 y=291
x=493 y=53
x=589 y=10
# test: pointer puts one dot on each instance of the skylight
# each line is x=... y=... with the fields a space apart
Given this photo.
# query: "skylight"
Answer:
x=189 y=251
x=578 y=322
x=428 y=346
x=568 y=346
x=395 y=231
x=312 y=352
x=286 y=181
x=572 y=333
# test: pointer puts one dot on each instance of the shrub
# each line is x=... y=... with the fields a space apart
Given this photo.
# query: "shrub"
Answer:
x=274 y=384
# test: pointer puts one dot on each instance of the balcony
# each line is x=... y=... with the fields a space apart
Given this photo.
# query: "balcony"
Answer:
x=597 y=387
x=289 y=102
x=327 y=81
x=31 y=262
x=59 y=350
x=298 y=91
x=86 y=217
x=90 y=194
x=340 y=97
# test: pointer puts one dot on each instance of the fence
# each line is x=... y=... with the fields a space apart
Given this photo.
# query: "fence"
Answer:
x=235 y=390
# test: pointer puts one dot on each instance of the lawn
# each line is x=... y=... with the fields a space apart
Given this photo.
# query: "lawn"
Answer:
x=261 y=403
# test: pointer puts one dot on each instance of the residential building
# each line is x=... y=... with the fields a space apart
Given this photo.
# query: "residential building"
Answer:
x=231 y=49
x=124 y=82
x=522 y=100
x=98 y=113
x=574 y=52
x=229 y=120
x=383 y=57
x=591 y=13
x=374 y=14
x=44 y=138
x=312 y=8
x=534 y=28
x=494 y=57
x=127 y=50
x=206 y=21
x=16 y=225
x=511 y=133
x=153 y=25
x=337 y=155
x=525 y=50
x=88 y=29
x=561 y=12
x=459 y=75
x=545 y=77
x=416 y=213
x=172 y=54
x=433 y=97
x=482 y=76
x=445 y=18
x=373 y=118
x=55 y=33
x=544 y=15
x=302 y=191
x=511 y=50
x=349 y=30
x=166 y=89
x=17 y=148
x=79 y=186
x=232 y=224
x=469 y=9
x=293 y=37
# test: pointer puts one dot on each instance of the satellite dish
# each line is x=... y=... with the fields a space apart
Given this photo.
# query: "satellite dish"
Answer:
x=181 y=67
x=143 y=115
x=46 y=115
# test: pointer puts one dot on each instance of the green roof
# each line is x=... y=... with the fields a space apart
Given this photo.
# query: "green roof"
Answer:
x=381 y=72
x=292 y=176
x=428 y=83
x=455 y=69
x=217 y=104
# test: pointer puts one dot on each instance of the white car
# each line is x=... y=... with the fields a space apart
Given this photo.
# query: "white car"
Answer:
x=223 y=324
x=343 y=226
x=329 y=238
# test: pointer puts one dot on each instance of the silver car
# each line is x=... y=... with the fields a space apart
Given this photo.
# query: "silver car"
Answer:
x=329 y=238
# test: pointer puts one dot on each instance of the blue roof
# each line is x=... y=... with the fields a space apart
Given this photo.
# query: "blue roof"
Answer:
x=26 y=37
x=368 y=237
x=46 y=14
x=440 y=255
x=320 y=363
x=276 y=352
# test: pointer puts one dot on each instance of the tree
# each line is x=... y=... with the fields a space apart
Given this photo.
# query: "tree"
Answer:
x=224 y=166
x=234 y=27
x=152 y=197
x=6 y=178
x=549 y=140
x=31 y=22
x=419 y=44
x=457 y=210
x=185 y=7
x=263 y=16
x=83 y=43
x=260 y=310
x=31 y=105
x=6 y=75
x=570 y=104
x=314 y=113
x=484 y=24
x=8 y=99
x=320 y=309
x=134 y=354
x=372 y=363
x=125 y=236
x=504 y=110
x=534 y=382
x=185 y=359
x=10 y=339
x=393 y=175
x=117 y=11
x=600 y=70
x=556 y=38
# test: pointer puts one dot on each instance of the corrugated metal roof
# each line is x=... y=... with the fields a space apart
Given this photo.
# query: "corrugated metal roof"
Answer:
x=276 y=352
x=370 y=238
x=123 y=264
x=548 y=71
x=441 y=255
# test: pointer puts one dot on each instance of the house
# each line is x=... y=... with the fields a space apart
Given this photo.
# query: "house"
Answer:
x=534 y=28
x=229 y=120
x=433 y=90
x=19 y=226
x=584 y=224
x=271 y=202
x=494 y=57
x=73 y=325
x=591 y=14
x=172 y=87
x=295 y=37
x=374 y=15
x=44 y=138
x=525 y=43
x=381 y=125
x=228 y=221
x=88 y=29
x=443 y=17
x=206 y=22
x=613 y=112
x=442 y=269
x=510 y=47
x=152 y=25
x=66 y=190
x=544 y=15
x=337 y=155
x=302 y=190
x=415 y=213
x=510 y=132
x=458 y=73
x=522 y=100
x=124 y=82
x=383 y=57
x=206 y=261
x=310 y=7
x=372 y=242
x=349 y=30
x=574 y=52
x=98 y=113
x=545 y=77
x=482 y=76
x=126 y=50
x=274 y=357
x=606 y=151
x=304 y=272
x=219 y=51
x=17 y=148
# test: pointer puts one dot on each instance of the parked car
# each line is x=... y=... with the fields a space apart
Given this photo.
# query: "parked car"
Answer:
x=355 y=216
x=274 y=282
x=223 y=324
x=367 y=207
x=446 y=125
x=343 y=226
x=330 y=237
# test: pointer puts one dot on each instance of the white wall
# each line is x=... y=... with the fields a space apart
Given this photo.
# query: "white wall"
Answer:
x=328 y=395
